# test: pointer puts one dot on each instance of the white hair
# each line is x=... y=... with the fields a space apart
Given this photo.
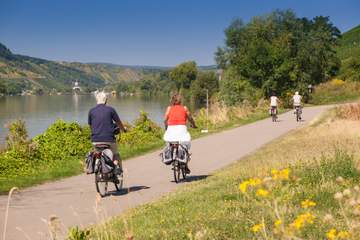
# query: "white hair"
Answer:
x=296 y=93
x=101 y=97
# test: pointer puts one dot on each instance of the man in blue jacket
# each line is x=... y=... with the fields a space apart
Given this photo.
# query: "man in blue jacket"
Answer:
x=104 y=122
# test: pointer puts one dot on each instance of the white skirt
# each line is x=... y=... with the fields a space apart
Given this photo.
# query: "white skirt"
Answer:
x=177 y=133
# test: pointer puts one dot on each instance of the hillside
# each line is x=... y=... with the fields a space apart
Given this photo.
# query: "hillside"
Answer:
x=18 y=73
x=350 y=44
x=349 y=54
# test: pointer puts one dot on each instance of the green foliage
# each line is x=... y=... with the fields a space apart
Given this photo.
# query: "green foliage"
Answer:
x=204 y=81
x=183 y=74
x=350 y=69
x=280 y=52
x=62 y=141
x=235 y=90
x=143 y=132
x=17 y=134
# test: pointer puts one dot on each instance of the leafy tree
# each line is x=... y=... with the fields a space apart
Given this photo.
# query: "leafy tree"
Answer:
x=235 y=90
x=280 y=52
x=183 y=74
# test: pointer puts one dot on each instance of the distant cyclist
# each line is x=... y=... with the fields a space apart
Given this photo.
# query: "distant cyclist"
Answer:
x=104 y=122
x=297 y=102
x=176 y=117
x=274 y=102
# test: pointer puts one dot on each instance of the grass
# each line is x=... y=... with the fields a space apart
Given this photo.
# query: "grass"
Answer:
x=314 y=193
x=336 y=91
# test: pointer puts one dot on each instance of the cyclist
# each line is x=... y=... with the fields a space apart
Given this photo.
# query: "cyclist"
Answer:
x=297 y=102
x=176 y=117
x=274 y=100
x=105 y=123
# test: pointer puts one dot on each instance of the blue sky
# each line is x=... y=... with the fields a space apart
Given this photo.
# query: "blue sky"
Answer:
x=142 y=32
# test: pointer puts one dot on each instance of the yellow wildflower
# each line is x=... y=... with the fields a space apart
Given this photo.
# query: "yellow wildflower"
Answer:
x=243 y=186
x=343 y=235
x=277 y=222
x=254 y=181
x=281 y=175
x=307 y=203
x=262 y=192
x=331 y=234
x=301 y=220
x=257 y=227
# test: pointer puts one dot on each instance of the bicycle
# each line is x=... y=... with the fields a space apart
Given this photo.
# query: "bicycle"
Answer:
x=298 y=113
x=102 y=179
x=273 y=114
x=179 y=166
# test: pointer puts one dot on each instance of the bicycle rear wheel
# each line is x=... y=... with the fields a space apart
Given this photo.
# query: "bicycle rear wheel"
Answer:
x=101 y=185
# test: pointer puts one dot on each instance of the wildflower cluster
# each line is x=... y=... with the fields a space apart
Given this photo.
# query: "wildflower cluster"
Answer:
x=272 y=193
x=280 y=174
x=302 y=220
x=252 y=182
x=333 y=234
x=307 y=203
x=257 y=227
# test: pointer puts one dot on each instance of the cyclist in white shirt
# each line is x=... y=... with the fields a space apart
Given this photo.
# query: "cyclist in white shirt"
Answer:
x=274 y=100
x=297 y=103
x=297 y=100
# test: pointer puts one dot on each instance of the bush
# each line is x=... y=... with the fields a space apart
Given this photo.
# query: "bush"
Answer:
x=142 y=133
x=61 y=141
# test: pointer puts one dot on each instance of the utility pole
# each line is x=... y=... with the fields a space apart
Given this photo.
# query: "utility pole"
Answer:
x=207 y=113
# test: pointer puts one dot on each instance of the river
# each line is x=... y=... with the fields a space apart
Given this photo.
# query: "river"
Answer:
x=39 y=112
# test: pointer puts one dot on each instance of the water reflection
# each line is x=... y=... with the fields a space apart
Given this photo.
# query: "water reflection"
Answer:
x=41 y=111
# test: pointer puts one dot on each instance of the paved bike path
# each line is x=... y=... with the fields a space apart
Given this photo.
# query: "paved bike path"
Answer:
x=73 y=200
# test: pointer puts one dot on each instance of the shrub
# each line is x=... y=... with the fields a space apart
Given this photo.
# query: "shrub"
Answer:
x=142 y=133
x=17 y=134
x=61 y=141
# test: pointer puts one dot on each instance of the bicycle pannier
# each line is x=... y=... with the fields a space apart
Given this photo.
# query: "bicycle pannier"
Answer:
x=89 y=163
x=166 y=155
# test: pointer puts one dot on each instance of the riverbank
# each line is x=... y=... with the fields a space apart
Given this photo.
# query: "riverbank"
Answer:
x=303 y=185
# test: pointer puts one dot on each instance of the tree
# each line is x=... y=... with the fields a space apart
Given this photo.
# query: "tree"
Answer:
x=205 y=81
x=280 y=52
x=183 y=74
x=235 y=90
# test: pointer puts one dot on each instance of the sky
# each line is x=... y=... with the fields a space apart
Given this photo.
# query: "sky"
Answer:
x=142 y=32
